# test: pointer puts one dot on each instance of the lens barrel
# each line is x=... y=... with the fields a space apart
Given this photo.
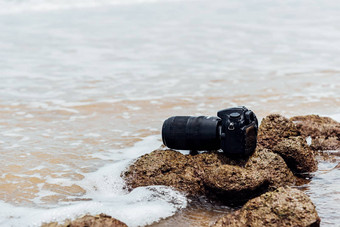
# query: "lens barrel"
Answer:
x=192 y=133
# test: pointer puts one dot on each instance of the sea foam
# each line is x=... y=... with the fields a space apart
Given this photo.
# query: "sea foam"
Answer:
x=9 y=7
x=106 y=193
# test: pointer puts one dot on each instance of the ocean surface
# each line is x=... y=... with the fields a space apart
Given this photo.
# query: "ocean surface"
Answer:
x=85 y=86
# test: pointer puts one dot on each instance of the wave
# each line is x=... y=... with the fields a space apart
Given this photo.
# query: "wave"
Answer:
x=19 y=6
x=105 y=193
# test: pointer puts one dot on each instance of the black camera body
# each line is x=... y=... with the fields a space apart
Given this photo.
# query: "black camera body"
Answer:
x=234 y=131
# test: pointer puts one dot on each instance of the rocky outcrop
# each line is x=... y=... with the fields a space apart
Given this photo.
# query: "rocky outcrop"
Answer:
x=272 y=167
x=282 y=207
x=273 y=129
x=260 y=182
x=281 y=152
x=283 y=137
x=101 y=220
x=210 y=174
x=297 y=154
x=323 y=131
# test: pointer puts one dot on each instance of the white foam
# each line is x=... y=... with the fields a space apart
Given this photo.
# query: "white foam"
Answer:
x=9 y=7
x=309 y=140
x=107 y=194
x=10 y=134
x=95 y=135
x=25 y=138
x=141 y=206
x=134 y=107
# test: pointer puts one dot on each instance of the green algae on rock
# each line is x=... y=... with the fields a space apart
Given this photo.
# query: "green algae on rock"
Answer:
x=100 y=220
x=282 y=207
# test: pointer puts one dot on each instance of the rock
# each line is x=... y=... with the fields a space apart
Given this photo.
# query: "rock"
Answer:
x=263 y=171
x=282 y=136
x=214 y=174
x=315 y=126
x=232 y=183
x=297 y=154
x=324 y=131
x=168 y=167
x=101 y=220
x=325 y=143
x=282 y=207
x=272 y=167
x=275 y=128
x=210 y=174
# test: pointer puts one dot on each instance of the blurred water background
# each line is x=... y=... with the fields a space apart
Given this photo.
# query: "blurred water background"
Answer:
x=85 y=86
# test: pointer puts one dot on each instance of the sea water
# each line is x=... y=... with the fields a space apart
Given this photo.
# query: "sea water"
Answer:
x=85 y=87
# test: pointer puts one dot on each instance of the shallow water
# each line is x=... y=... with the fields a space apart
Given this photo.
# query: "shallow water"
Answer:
x=85 y=87
x=324 y=189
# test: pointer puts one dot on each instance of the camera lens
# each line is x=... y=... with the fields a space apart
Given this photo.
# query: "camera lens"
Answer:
x=191 y=133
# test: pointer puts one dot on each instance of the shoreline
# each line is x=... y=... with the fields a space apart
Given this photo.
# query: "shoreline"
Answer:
x=190 y=211
x=204 y=212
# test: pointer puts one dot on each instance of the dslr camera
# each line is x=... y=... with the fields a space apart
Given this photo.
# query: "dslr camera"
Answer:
x=234 y=131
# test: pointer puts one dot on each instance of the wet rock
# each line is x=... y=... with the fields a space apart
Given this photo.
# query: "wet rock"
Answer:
x=324 y=131
x=282 y=136
x=101 y=220
x=272 y=167
x=314 y=126
x=297 y=154
x=325 y=143
x=167 y=167
x=211 y=174
x=232 y=183
x=275 y=128
x=282 y=207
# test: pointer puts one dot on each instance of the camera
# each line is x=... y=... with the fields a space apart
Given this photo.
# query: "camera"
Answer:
x=234 y=130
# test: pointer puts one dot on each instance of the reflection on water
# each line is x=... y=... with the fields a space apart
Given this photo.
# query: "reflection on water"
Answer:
x=324 y=189
x=200 y=212
x=79 y=85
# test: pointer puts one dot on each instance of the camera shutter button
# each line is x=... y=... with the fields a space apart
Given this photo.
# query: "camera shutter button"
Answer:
x=235 y=115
